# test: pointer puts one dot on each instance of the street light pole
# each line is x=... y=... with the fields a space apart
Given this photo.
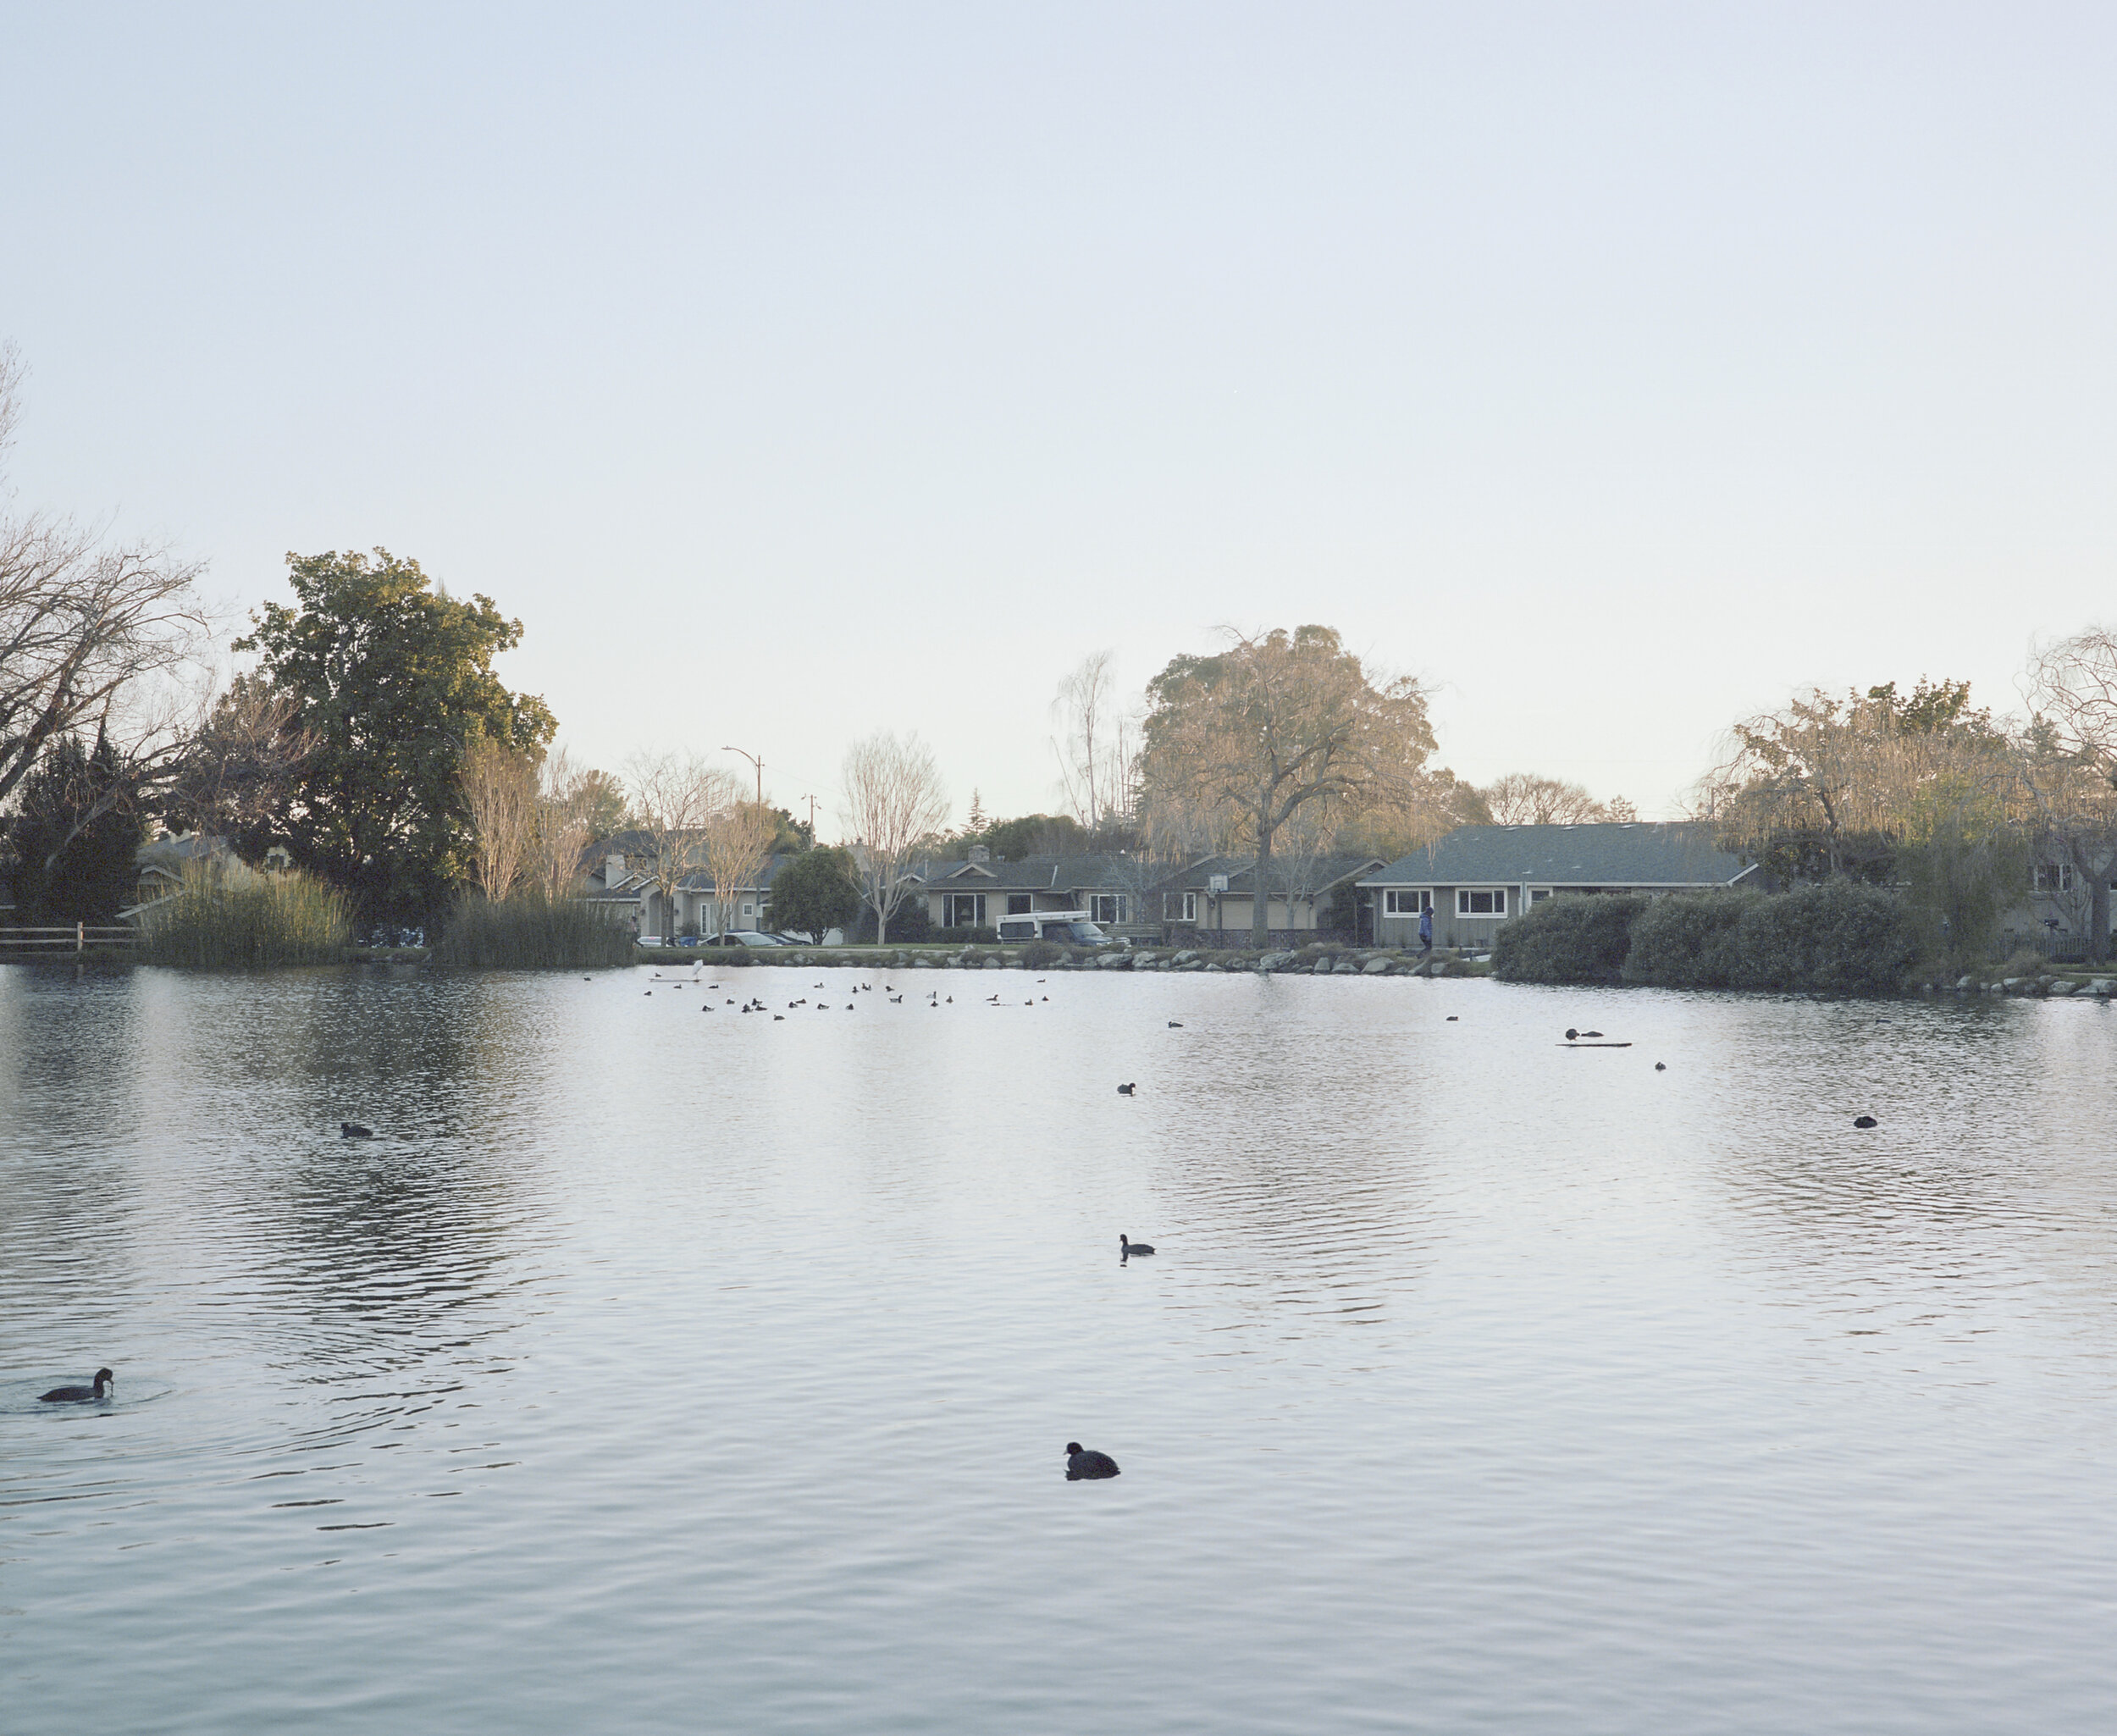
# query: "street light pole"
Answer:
x=759 y=764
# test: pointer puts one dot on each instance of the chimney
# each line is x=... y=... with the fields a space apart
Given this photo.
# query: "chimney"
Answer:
x=979 y=854
x=613 y=869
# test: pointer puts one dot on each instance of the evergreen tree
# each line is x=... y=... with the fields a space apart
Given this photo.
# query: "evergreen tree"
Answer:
x=77 y=836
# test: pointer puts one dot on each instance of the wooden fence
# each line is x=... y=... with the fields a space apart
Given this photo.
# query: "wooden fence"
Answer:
x=66 y=940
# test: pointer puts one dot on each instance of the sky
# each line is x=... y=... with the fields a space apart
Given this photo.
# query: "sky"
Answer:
x=794 y=372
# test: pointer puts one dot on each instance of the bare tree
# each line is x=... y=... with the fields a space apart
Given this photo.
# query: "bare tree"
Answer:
x=737 y=840
x=1523 y=799
x=237 y=762
x=1097 y=747
x=565 y=803
x=88 y=628
x=2070 y=765
x=1244 y=741
x=674 y=798
x=499 y=790
x=895 y=801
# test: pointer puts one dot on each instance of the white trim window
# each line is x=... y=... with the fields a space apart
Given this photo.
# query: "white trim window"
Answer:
x=1020 y=903
x=2054 y=876
x=1191 y=907
x=1106 y=909
x=1481 y=902
x=1406 y=900
x=966 y=910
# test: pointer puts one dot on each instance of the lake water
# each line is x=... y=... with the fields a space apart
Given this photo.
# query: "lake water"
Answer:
x=654 y=1370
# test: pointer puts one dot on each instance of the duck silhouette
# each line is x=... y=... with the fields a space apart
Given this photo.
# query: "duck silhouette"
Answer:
x=1130 y=1247
x=1865 y=1121
x=77 y=1395
x=1127 y=1090
x=353 y=1130
x=1085 y=1464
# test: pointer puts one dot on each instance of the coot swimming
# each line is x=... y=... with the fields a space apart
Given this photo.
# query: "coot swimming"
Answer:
x=84 y=1395
x=1082 y=1466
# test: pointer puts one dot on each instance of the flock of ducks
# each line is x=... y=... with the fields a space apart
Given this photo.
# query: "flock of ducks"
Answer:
x=1083 y=1464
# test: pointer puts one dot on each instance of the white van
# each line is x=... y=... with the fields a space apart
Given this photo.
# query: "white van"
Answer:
x=1067 y=927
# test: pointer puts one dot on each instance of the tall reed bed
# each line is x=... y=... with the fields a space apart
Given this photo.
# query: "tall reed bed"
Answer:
x=530 y=932
x=233 y=918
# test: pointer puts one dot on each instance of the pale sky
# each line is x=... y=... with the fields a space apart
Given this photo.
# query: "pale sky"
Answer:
x=794 y=372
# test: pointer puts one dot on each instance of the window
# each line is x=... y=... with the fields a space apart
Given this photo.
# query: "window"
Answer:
x=749 y=908
x=966 y=910
x=1482 y=903
x=1020 y=903
x=1539 y=895
x=1106 y=907
x=2057 y=877
x=1406 y=901
x=1191 y=907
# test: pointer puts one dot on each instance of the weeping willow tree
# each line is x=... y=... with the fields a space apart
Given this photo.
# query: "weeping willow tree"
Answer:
x=1920 y=789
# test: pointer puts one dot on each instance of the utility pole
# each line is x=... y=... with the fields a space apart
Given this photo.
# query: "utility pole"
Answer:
x=759 y=764
x=811 y=801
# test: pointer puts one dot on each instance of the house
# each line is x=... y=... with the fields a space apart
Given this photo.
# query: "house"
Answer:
x=1212 y=901
x=161 y=864
x=2057 y=917
x=620 y=878
x=976 y=892
x=1477 y=877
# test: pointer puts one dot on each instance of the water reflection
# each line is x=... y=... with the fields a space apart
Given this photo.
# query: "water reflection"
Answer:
x=652 y=1360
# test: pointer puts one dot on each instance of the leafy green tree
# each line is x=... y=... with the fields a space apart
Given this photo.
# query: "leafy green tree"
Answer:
x=1034 y=835
x=605 y=808
x=814 y=893
x=393 y=679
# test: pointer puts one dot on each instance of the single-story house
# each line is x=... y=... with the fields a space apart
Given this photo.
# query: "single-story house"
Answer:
x=1477 y=877
x=1215 y=896
x=2057 y=916
x=161 y=864
x=622 y=880
x=977 y=893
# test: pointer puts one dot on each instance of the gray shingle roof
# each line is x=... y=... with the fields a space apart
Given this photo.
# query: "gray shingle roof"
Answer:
x=1644 y=853
x=1309 y=874
x=1031 y=874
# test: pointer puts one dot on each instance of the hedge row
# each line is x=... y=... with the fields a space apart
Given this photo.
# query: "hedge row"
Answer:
x=1841 y=938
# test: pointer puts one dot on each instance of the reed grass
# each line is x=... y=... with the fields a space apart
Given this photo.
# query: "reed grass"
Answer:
x=530 y=931
x=235 y=919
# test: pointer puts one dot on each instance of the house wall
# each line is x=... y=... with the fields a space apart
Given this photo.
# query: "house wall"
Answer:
x=997 y=903
x=1230 y=910
x=1452 y=928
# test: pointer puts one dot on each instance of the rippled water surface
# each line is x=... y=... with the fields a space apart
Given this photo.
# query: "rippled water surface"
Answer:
x=656 y=1370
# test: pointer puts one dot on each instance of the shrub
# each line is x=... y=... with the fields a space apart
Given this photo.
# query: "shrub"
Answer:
x=1687 y=940
x=980 y=936
x=909 y=924
x=1570 y=937
x=532 y=932
x=230 y=917
x=1040 y=953
x=1842 y=936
